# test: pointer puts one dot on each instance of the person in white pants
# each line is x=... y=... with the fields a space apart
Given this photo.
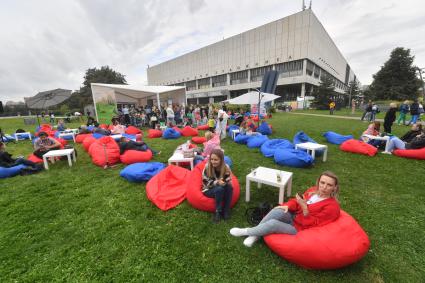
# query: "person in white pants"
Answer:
x=221 y=124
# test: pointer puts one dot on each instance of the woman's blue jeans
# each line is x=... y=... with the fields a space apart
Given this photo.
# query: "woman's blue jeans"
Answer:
x=223 y=197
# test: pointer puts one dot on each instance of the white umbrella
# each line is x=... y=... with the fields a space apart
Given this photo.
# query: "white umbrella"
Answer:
x=253 y=97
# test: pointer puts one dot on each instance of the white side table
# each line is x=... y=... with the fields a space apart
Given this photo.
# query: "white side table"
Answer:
x=58 y=153
x=269 y=176
x=234 y=132
x=379 y=138
x=312 y=147
x=17 y=135
x=178 y=157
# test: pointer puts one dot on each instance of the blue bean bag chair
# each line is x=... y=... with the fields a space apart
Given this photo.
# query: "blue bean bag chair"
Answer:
x=98 y=136
x=242 y=139
x=335 y=138
x=264 y=129
x=230 y=129
x=170 y=133
x=7 y=138
x=228 y=161
x=293 y=158
x=269 y=147
x=141 y=172
x=11 y=171
x=130 y=137
x=302 y=137
x=68 y=138
x=256 y=141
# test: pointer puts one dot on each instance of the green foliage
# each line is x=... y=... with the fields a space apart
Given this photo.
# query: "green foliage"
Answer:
x=87 y=224
x=397 y=79
x=323 y=94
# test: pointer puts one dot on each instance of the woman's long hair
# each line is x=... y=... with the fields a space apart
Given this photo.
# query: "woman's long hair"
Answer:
x=222 y=168
x=330 y=174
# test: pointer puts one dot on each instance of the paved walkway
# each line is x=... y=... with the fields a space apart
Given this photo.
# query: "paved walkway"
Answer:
x=331 y=116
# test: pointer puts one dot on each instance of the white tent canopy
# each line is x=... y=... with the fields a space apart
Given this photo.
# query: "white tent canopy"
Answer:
x=252 y=97
x=135 y=94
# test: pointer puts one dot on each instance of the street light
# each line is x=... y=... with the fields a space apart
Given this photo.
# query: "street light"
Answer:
x=422 y=81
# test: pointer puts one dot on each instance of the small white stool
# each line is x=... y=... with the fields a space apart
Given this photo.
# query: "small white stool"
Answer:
x=178 y=157
x=58 y=153
x=312 y=147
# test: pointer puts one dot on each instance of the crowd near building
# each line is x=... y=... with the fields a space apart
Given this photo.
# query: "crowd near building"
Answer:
x=297 y=46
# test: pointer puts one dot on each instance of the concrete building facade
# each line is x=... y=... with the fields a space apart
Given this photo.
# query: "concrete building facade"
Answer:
x=297 y=46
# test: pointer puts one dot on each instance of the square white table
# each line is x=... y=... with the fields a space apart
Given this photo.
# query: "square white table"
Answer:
x=234 y=132
x=58 y=153
x=17 y=135
x=379 y=138
x=268 y=176
x=178 y=157
x=312 y=147
x=67 y=134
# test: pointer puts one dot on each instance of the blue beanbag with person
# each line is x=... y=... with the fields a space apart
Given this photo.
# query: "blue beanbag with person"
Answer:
x=335 y=138
x=6 y=172
x=264 y=129
x=231 y=128
x=141 y=172
x=269 y=147
x=242 y=139
x=302 y=137
x=170 y=133
x=256 y=141
x=293 y=158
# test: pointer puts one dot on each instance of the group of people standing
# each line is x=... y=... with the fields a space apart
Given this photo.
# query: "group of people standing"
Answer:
x=415 y=109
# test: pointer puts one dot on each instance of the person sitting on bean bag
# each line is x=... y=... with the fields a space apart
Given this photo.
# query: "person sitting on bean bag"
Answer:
x=247 y=128
x=213 y=142
x=373 y=130
x=127 y=144
x=316 y=207
x=45 y=144
x=216 y=180
x=117 y=128
x=7 y=161
x=409 y=142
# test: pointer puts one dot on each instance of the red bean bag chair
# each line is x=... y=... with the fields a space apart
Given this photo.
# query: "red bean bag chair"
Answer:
x=103 y=126
x=189 y=132
x=88 y=142
x=135 y=156
x=195 y=196
x=104 y=151
x=356 y=146
x=203 y=127
x=199 y=140
x=80 y=137
x=178 y=129
x=35 y=159
x=132 y=130
x=62 y=142
x=411 y=153
x=330 y=246
x=168 y=188
x=153 y=133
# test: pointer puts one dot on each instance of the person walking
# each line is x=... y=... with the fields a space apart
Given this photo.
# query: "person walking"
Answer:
x=404 y=109
x=331 y=107
x=414 y=111
x=367 y=112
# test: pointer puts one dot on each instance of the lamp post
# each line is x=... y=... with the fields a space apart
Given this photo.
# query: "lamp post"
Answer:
x=422 y=81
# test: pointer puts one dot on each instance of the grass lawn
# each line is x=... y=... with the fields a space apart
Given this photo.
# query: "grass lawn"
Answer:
x=343 y=112
x=86 y=224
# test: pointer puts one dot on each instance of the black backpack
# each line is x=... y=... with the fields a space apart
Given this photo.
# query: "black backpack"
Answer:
x=254 y=215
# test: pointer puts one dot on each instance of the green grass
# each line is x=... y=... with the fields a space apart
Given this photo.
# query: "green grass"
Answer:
x=86 y=224
x=341 y=112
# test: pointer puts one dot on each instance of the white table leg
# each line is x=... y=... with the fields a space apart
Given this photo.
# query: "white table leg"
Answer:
x=29 y=134
x=73 y=137
x=313 y=154
x=289 y=187
x=296 y=146
x=69 y=160
x=191 y=164
x=247 y=188
x=325 y=154
x=74 y=156
x=281 y=193
x=46 y=164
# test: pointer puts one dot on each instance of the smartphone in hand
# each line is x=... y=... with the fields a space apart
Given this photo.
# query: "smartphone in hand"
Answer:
x=300 y=195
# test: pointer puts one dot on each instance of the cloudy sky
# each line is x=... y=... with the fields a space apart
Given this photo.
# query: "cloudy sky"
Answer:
x=47 y=44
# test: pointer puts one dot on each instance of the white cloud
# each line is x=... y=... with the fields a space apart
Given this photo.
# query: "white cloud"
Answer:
x=48 y=44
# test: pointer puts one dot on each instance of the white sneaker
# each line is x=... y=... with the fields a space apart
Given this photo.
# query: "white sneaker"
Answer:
x=238 y=232
x=250 y=241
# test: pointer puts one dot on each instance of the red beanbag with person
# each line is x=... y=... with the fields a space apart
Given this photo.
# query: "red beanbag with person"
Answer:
x=194 y=193
x=411 y=153
x=131 y=130
x=88 y=142
x=168 y=188
x=135 y=156
x=331 y=246
x=360 y=147
x=104 y=152
x=153 y=133
x=35 y=159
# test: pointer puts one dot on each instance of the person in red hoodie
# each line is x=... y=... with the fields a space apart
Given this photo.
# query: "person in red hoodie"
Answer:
x=318 y=206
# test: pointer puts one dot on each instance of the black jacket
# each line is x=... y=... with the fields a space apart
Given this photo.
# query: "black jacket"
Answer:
x=416 y=143
x=390 y=116
x=6 y=159
x=410 y=135
x=414 y=108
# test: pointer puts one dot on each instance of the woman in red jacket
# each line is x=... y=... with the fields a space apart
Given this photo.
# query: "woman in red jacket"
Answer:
x=316 y=207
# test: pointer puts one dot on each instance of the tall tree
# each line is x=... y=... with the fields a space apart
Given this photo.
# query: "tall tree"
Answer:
x=324 y=93
x=397 y=77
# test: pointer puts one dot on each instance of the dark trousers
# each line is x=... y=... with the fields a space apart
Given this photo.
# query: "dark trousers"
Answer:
x=223 y=197
x=40 y=152
x=387 y=127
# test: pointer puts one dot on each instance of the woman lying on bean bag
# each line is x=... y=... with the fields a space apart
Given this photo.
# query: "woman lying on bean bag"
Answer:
x=318 y=206
x=6 y=161
x=417 y=142
x=127 y=144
